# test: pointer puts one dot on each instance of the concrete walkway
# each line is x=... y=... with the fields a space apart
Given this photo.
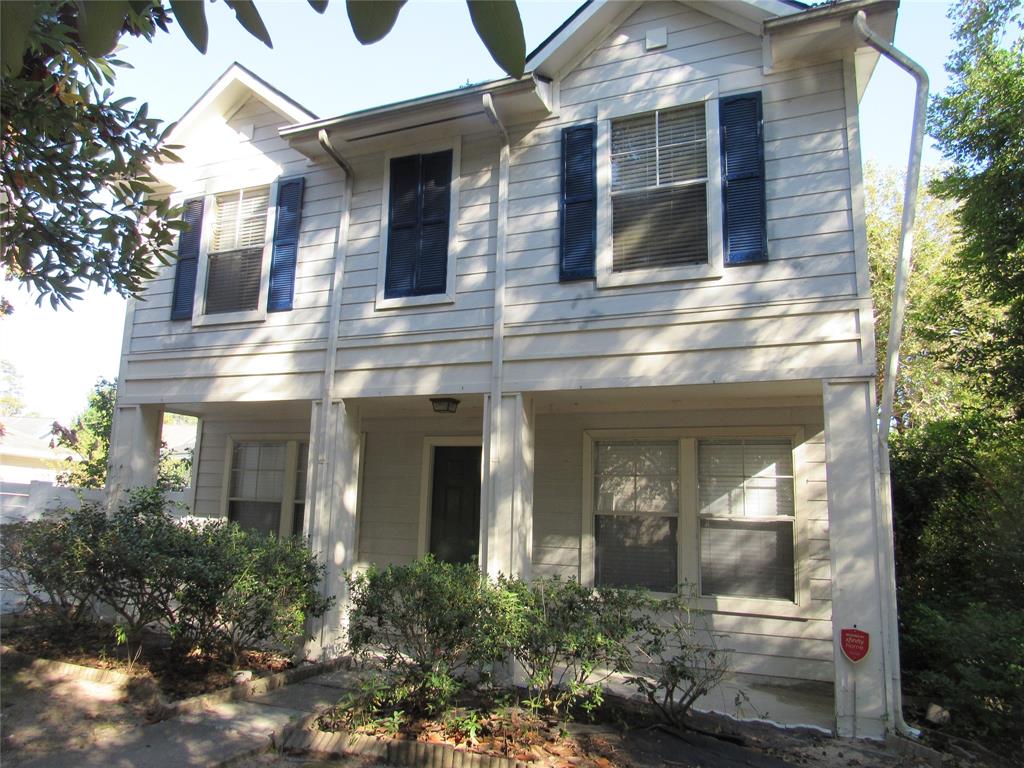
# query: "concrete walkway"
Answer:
x=222 y=732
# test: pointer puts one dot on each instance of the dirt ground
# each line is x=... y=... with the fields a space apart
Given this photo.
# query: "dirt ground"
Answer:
x=35 y=708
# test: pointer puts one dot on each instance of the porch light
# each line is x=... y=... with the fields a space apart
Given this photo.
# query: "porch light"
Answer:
x=444 y=404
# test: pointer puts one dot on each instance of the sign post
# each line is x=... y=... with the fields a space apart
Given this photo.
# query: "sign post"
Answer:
x=855 y=644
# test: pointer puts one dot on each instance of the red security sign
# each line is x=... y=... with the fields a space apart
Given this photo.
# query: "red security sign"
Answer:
x=855 y=643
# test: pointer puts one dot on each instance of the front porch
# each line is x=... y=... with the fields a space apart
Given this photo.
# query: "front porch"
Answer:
x=535 y=487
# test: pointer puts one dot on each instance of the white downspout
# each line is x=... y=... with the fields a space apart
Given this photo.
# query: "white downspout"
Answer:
x=899 y=304
x=493 y=419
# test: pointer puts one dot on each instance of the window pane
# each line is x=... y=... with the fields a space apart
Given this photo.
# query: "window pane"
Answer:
x=636 y=477
x=260 y=516
x=746 y=559
x=634 y=153
x=745 y=478
x=682 y=145
x=241 y=220
x=300 y=472
x=659 y=227
x=233 y=281
x=634 y=551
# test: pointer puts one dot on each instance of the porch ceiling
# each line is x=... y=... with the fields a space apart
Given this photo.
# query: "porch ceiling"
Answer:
x=278 y=409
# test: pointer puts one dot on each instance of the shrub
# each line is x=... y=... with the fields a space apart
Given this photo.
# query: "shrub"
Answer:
x=53 y=562
x=570 y=638
x=431 y=621
x=685 y=657
x=212 y=587
x=970 y=661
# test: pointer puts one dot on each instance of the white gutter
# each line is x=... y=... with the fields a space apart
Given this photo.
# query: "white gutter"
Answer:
x=494 y=431
x=899 y=304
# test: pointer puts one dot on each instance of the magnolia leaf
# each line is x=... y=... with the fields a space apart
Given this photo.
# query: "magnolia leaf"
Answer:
x=15 y=22
x=99 y=25
x=318 y=5
x=191 y=15
x=140 y=6
x=499 y=26
x=249 y=18
x=372 y=20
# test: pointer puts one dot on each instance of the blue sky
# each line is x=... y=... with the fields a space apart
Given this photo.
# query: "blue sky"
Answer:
x=317 y=61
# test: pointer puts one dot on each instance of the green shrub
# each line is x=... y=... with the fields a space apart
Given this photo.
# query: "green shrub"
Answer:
x=53 y=562
x=970 y=661
x=684 y=657
x=431 y=622
x=212 y=587
x=569 y=638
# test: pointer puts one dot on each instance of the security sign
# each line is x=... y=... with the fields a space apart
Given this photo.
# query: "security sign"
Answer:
x=855 y=643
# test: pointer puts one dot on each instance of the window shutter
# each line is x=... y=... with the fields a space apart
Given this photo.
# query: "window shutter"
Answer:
x=286 y=244
x=741 y=123
x=188 y=261
x=418 y=220
x=579 y=203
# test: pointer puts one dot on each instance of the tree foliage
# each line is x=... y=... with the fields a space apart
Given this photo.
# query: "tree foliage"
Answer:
x=979 y=125
x=75 y=204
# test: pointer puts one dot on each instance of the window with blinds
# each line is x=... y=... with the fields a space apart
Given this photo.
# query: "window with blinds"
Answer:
x=745 y=502
x=235 y=262
x=262 y=488
x=636 y=497
x=659 y=189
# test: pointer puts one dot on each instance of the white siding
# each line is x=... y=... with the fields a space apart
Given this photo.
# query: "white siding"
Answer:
x=795 y=314
x=261 y=360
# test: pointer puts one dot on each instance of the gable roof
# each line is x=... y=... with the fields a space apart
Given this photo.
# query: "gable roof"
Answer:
x=594 y=16
x=230 y=90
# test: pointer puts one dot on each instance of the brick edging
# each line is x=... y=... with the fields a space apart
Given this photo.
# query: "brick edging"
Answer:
x=91 y=674
x=300 y=739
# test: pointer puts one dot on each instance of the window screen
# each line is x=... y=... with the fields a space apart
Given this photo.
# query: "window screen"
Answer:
x=659 y=189
x=257 y=485
x=235 y=262
x=636 y=496
x=745 y=494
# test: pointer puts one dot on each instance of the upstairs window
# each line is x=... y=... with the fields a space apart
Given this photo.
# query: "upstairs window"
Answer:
x=419 y=226
x=235 y=268
x=659 y=189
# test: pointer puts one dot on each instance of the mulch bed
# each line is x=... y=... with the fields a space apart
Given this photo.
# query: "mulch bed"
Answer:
x=95 y=647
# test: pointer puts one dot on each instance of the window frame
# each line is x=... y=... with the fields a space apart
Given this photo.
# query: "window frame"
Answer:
x=636 y=105
x=289 y=481
x=199 y=314
x=688 y=526
x=448 y=296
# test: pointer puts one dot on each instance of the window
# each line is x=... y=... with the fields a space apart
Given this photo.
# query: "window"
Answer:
x=718 y=512
x=235 y=268
x=659 y=189
x=745 y=491
x=636 y=515
x=417 y=246
x=266 y=487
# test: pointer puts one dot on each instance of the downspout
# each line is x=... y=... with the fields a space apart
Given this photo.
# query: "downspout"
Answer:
x=899 y=304
x=494 y=432
x=331 y=355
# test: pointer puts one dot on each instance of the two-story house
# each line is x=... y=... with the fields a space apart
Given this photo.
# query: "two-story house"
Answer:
x=609 y=321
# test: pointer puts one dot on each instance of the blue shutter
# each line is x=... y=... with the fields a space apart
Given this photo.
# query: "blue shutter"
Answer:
x=188 y=261
x=578 y=237
x=419 y=203
x=742 y=131
x=286 y=244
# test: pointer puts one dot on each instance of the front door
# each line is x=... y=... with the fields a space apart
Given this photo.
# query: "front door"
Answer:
x=455 y=504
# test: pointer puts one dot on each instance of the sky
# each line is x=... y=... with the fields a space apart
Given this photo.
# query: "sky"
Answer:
x=317 y=61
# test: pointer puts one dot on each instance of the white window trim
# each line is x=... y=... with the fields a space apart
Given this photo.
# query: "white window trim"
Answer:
x=199 y=316
x=638 y=104
x=289 y=484
x=430 y=442
x=448 y=297
x=688 y=527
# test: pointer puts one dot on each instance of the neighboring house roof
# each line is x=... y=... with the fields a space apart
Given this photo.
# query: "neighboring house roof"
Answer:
x=29 y=438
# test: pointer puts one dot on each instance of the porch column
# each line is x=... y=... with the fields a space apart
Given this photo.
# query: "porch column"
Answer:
x=334 y=455
x=854 y=513
x=507 y=519
x=134 y=450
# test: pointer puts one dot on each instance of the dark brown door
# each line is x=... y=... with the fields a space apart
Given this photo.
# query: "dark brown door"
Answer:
x=455 y=505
